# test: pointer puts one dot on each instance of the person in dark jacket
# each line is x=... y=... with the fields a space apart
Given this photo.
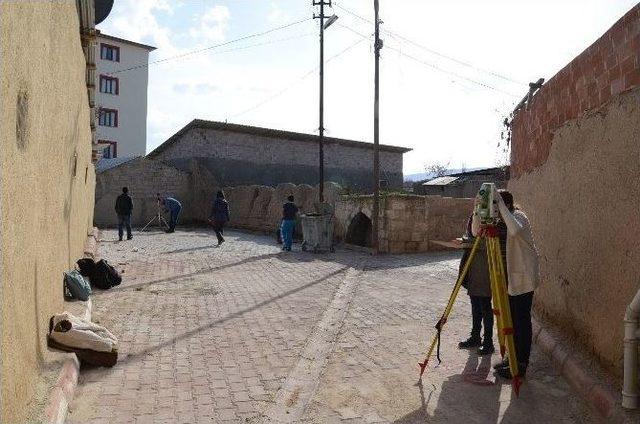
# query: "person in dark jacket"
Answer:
x=124 y=207
x=219 y=215
x=289 y=212
x=478 y=285
x=173 y=206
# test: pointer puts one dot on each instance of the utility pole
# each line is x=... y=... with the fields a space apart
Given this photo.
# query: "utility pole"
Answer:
x=376 y=134
x=321 y=16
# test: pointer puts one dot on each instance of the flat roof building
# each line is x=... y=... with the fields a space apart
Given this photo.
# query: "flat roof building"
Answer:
x=121 y=96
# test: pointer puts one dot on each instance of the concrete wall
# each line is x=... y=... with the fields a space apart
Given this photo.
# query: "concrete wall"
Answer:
x=47 y=182
x=408 y=223
x=131 y=102
x=575 y=156
x=244 y=159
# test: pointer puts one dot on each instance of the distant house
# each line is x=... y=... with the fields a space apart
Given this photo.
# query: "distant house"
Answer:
x=463 y=184
x=240 y=155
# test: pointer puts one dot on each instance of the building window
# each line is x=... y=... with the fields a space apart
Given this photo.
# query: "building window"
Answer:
x=110 y=150
x=109 y=85
x=108 y=118
x=109 y=52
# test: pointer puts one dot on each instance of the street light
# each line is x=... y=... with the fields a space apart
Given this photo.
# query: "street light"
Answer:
x=323 y=25
x=331 y=20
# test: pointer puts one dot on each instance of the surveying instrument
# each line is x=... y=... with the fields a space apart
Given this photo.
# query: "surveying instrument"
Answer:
x=487 y=211
x=158 y=216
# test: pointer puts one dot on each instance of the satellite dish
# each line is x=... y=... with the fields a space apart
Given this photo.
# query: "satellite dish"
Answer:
x=102 y=9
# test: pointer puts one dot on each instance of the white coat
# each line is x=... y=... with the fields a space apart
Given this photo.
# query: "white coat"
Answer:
x=522 y=256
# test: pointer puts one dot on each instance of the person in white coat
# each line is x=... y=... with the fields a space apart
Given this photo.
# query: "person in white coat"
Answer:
x=522 y=279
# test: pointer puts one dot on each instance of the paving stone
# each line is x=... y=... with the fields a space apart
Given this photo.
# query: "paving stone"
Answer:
x=212 y=334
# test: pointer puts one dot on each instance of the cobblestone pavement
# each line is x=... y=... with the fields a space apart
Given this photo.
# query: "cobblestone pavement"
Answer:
x=246 y=333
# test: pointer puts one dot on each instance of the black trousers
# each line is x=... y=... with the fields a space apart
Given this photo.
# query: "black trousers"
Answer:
x=522 y=331
x=482 y=314
x=218 y=227
x=124 y=221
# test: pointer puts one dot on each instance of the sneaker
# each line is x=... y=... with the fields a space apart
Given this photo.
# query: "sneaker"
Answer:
x=221 y=241
x=486 y=349
x=129 y=237
x=120 y=239
x=469 y=343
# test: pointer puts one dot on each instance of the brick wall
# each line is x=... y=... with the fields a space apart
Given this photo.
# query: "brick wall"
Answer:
x=607 y=68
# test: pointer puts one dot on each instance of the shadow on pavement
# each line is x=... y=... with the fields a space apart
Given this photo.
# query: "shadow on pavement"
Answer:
x=470 y=394
x=139 y=355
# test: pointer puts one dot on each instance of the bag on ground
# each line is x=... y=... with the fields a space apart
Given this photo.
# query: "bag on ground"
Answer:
x=101 y=274
x=92 y=343
x=87 y=266
x=75 y=286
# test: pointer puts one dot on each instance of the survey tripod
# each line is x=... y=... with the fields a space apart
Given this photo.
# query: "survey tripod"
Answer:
x=497 y=276
x=158 y=216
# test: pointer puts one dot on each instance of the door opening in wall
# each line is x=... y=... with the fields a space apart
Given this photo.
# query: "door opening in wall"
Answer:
x=359 y=231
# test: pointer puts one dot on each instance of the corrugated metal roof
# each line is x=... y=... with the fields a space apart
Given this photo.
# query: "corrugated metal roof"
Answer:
x=440 y=181
x=105 y=164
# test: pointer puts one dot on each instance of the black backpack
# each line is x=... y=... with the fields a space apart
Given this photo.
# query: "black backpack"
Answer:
x=101 y=274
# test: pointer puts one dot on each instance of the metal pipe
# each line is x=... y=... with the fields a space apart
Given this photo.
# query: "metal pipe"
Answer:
x=630 y=384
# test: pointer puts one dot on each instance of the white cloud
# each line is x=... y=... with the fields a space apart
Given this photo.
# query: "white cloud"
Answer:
x=276 y=15
x=136 y=20
x=212 y=24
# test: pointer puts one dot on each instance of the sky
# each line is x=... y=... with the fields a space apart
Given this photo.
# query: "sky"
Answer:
x=450 y=70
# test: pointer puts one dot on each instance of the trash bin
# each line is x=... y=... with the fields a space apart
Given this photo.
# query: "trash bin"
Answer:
x=317 y=232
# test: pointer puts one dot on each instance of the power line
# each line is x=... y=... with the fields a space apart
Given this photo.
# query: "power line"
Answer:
x=215 y=46
x=290 y=86
x=434 y=52
x=435 y=67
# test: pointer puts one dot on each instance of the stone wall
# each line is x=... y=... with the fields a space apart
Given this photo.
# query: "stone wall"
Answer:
x=237 y=158
x=408 y=223
x=259 y=208
x=145 y=178
x=47 y=183
x=578 y=182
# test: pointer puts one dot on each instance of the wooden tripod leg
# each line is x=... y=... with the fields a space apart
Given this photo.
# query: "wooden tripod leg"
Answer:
x=506 y=315
x=497 y=304
x=452 y=299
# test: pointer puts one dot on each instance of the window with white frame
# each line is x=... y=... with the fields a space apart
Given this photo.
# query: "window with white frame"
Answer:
x=108 y=118
x=109 y=85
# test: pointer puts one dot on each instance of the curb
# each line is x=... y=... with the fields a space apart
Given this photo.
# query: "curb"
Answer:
x=600 y=397
x=62 y=393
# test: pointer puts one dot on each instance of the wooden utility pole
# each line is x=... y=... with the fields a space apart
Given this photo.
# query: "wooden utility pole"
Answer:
x=376 y=134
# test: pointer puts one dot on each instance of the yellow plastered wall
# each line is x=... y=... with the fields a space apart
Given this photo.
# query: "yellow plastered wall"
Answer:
x=48 y=182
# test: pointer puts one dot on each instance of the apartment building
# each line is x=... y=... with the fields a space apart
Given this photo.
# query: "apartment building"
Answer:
x=121 y=96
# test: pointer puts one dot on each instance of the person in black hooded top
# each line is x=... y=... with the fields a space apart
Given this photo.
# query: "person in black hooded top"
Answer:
x=124 y=207
x=219 y=215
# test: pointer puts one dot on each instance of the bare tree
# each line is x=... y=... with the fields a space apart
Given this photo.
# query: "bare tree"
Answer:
x=439 y=169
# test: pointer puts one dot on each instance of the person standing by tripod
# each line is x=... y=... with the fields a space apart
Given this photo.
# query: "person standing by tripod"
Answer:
x=219 y=215
x=124 y=207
